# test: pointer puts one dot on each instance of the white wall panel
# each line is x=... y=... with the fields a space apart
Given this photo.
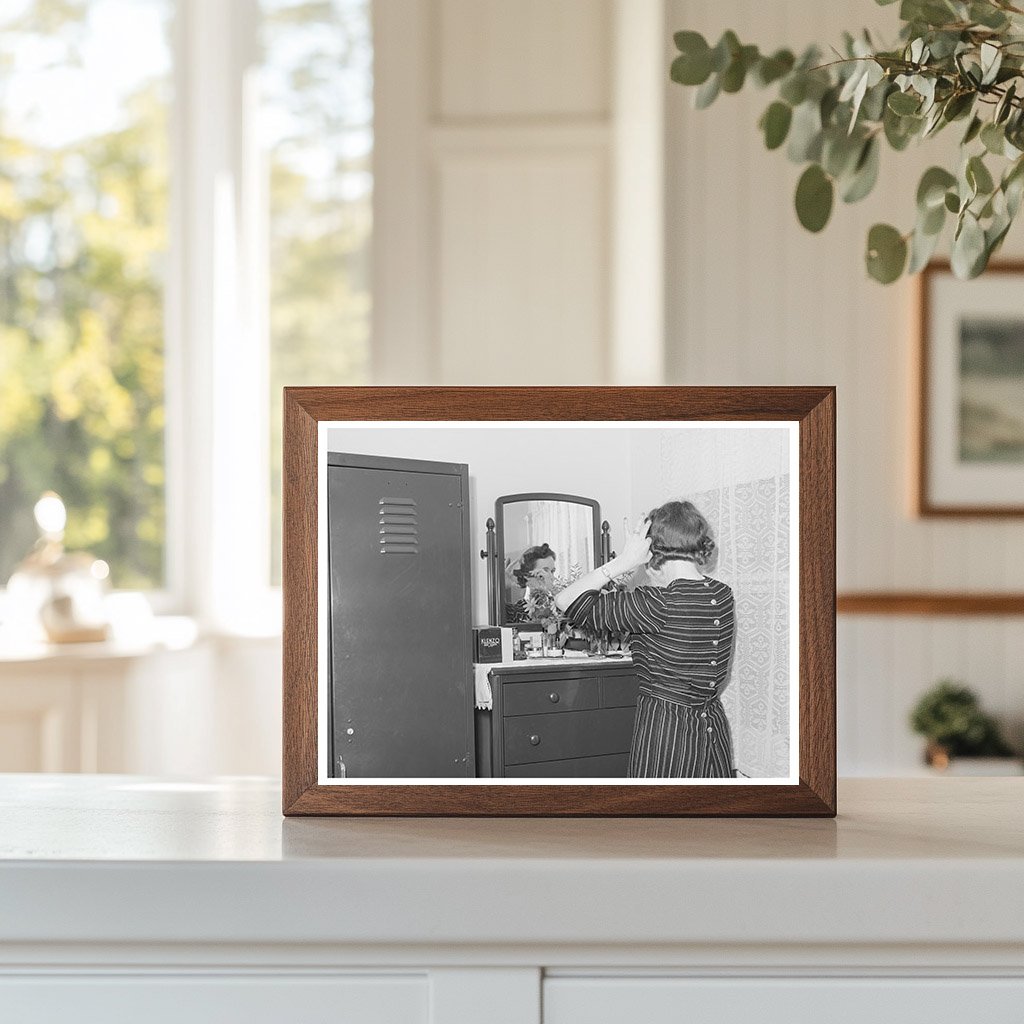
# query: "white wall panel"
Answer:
x=523 y=280
x=754 y=299
x=528 y=58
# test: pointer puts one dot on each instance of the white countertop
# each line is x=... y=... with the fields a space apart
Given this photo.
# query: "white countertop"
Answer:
x=121 y=859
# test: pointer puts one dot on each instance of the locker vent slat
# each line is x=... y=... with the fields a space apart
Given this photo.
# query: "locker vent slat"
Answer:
x=398 y=526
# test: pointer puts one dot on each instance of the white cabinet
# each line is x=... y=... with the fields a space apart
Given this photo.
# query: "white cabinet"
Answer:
x=127 y=899
x=100 y=707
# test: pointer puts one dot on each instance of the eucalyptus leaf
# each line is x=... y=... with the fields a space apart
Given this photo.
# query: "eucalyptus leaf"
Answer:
x=904 y=103
x=735 y=74
x=724 y=51
x=900 y=130
x=1005 y=104
x=814 y=195
x=805 y=133
x=978 y=176
x=993 y=138
x=886 y=253
x=865 y=174
x=1014 y=192
x=968 y=247
x=873 y=106
x=952 y=202
x=932 y=221
x=931 y=190
x=828 y=104
x=775 y=124
x=922 y=247
x=794 y=88
x=958 y=105
x=771 y=69
x=987 y=15
x=840 y=152
x=973 y=129
x=708 y=92
x=991 y=60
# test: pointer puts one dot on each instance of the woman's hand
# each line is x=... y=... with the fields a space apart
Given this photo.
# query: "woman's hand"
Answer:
x=637 y=549
x=636 y=552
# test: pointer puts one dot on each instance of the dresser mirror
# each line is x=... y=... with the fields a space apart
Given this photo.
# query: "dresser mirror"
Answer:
x=544 y=542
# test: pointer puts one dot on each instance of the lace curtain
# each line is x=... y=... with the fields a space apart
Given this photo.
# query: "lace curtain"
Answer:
x=750 y=524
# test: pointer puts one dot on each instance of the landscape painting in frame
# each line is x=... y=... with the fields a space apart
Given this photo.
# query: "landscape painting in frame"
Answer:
x=971 y=413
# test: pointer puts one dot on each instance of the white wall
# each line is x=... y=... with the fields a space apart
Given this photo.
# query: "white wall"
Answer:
x=591 y=462
x=510 y=138
x=498 y=107
x=754 y=299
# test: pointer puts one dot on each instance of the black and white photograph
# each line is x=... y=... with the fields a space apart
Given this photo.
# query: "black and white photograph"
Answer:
x=531 y=602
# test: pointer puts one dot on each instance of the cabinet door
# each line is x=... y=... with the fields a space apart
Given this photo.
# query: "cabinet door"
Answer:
x=401 y=663
x=200 y=999
x=782 y=1000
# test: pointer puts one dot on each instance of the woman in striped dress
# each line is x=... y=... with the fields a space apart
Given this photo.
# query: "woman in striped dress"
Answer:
x=681 y=635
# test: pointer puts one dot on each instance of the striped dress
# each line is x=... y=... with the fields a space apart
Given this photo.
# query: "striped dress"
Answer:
x=681 y=637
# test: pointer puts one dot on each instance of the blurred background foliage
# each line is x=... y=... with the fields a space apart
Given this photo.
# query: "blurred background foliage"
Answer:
x=83 y=232
x=84 y=246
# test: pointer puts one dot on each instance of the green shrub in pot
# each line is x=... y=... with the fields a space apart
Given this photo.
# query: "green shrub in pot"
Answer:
x=950 y=717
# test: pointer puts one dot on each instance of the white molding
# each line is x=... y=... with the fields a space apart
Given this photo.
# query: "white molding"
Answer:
x=637 y=341
x=403 y=346
x=223 y=424
x=521 y=137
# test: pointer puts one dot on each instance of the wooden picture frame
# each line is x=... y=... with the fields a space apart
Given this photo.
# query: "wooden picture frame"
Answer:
x=954 y=477
x=811 y=411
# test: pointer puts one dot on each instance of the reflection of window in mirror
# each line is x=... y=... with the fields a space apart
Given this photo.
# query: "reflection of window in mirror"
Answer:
x=547 y=543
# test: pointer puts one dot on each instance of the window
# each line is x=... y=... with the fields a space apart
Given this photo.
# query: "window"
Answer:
x=161 y=279
x=83 y=237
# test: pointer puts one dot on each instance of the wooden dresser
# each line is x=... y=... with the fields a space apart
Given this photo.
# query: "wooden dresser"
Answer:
x=551 y=720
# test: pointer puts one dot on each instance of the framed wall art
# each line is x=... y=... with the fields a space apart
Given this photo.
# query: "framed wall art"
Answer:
x=559 y=601
x=970 y=444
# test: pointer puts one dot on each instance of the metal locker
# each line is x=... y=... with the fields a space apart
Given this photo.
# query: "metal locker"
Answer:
x=401 y=697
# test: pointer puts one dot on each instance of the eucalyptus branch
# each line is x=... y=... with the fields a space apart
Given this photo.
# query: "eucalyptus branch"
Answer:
x=833 y=117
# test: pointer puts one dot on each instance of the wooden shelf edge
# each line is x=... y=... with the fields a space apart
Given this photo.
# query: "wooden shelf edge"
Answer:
x=928 y=603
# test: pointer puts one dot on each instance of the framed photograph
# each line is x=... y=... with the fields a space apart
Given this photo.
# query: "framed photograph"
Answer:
x=559 y=601
x=970 y=450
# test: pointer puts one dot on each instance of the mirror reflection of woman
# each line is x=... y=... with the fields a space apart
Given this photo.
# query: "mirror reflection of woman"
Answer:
x=681 y=630
x=534 y=577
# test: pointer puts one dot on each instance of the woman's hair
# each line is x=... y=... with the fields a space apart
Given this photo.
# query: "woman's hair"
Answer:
x=679 y=531
x=531 y=556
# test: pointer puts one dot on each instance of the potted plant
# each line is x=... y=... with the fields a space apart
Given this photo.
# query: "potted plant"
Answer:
x=955 y=62
x=950 y=717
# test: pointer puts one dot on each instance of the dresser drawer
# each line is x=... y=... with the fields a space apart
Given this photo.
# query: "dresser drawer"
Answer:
x=606 y=766
x=619 y=691
x=556 y=737
x=550 y=695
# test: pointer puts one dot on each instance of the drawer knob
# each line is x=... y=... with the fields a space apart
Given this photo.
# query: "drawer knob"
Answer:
x=554 y=698
x=534 y=740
